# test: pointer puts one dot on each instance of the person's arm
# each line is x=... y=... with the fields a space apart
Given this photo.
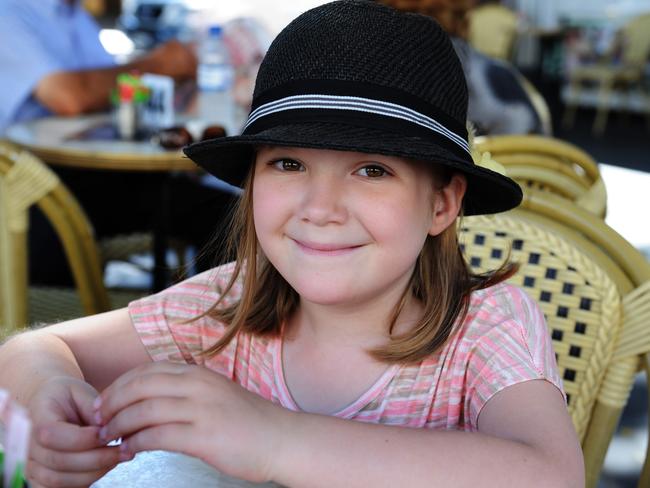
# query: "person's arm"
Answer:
x=96 y=349
x=76 y=92
x=525 y=438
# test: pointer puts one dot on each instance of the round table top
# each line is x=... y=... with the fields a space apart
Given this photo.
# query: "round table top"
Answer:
x=57 y=141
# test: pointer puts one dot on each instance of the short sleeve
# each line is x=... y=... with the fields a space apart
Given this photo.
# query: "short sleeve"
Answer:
x=24 y=61
x=517 y=348
x=171 y=324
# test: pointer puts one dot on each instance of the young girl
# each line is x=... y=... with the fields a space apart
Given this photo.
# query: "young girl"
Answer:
x=348 y=345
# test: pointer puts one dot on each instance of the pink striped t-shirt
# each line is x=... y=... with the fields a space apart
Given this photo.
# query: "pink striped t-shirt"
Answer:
x=502 y=341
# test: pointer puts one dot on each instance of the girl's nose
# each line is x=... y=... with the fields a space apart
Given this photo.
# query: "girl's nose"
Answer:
x=322 y=202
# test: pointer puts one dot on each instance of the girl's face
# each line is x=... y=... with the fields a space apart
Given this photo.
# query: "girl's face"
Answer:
x=345 y=228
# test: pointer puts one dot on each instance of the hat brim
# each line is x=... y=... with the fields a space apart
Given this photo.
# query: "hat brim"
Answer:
x=229 y=158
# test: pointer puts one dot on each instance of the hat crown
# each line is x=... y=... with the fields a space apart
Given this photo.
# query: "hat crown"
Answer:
x=355 y=75
x=365 y=42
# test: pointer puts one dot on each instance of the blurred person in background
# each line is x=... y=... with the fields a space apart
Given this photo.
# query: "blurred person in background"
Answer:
x=52 y=63
x=498 y=102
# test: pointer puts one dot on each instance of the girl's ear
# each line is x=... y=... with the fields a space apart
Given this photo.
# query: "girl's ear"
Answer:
x=447 y=203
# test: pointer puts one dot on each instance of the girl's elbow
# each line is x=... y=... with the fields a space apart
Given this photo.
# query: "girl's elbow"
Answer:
x=564 y=471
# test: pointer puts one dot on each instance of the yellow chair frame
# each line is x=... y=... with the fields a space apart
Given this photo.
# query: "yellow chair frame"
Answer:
x=25 y=181
x=550 y=164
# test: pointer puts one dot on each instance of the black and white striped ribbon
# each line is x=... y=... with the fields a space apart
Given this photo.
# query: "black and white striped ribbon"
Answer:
x=360 y=104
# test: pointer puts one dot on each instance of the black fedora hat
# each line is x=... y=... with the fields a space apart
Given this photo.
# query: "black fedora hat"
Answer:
x=359 y=76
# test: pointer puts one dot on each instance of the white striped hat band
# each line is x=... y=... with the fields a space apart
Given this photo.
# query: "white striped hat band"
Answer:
x=359 y=104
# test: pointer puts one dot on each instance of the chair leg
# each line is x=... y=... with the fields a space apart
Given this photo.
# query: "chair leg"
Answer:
x=644 y=479
x=573 y=99
x=603 y=109
x=646 y=97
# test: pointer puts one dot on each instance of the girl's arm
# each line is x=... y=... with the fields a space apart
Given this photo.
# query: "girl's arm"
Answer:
x=526 y=439
x=56 y=372
x=97 y=349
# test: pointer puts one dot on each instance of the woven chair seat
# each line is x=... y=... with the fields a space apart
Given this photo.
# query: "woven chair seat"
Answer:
x=120 y=247
x=49 y=305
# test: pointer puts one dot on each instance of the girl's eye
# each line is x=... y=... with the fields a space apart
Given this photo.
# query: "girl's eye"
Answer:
x=372 y=171
x=287 y=165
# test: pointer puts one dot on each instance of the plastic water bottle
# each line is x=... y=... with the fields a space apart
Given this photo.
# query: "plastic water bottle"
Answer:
x=215 y=77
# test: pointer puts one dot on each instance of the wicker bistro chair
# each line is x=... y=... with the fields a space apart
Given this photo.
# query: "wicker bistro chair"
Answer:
x=598 y=330
x=633 y=42
x=493 y=30
x=546 y=163
x=628 y=267
x=26 y=181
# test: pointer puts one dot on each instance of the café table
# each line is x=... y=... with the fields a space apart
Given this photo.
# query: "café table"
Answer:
x=162 y=469
x=85 y=142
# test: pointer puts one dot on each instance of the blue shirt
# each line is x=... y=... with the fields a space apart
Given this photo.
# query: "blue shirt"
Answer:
x=39 y=37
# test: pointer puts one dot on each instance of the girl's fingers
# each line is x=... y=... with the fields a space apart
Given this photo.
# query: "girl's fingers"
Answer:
x=148 y=368
x=145 y=414
x=39 y=475
x=138 y=388
x=83 y=397
x=83 y=461
x=65 y=436
x=167 y=437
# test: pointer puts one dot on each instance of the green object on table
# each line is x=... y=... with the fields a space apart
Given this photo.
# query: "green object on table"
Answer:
x=18 y=480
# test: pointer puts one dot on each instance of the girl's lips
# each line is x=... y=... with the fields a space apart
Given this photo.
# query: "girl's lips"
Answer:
x=324 y=249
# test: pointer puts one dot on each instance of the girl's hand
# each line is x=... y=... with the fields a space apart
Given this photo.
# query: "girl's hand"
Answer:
x=65 y=449
x=193 y=410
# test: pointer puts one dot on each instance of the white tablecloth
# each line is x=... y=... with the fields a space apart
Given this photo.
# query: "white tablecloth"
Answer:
x=160 y=469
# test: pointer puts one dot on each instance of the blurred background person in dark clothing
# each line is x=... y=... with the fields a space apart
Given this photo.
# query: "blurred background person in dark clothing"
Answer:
x=499 y=98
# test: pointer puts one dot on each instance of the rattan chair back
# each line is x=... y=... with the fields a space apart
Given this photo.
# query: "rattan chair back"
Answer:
x=26 y=181
x=628 y=268
x=570 y=217
x=550 y=164
x=559 y=245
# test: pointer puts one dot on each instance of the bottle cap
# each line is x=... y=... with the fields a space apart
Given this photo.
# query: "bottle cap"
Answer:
x=214 y=31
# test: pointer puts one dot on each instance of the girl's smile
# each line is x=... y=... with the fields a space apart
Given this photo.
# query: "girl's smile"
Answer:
x=318 y=249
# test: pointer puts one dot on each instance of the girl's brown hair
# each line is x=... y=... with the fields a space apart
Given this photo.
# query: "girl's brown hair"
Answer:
x=442 y=281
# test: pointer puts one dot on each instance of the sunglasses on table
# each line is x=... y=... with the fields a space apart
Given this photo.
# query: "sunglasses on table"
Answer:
x=178 y=137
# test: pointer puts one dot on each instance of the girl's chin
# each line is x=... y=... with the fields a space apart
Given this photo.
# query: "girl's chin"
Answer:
x=336 y=295
x=324 y=298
